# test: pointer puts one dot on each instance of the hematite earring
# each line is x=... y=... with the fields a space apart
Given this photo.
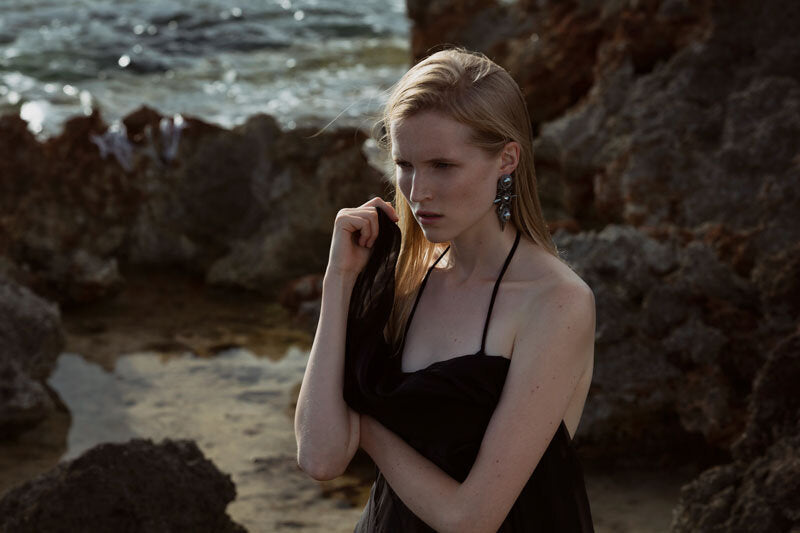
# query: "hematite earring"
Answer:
x=503 y=199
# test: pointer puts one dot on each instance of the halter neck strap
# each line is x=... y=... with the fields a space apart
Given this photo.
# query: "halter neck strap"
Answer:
x=491 y=302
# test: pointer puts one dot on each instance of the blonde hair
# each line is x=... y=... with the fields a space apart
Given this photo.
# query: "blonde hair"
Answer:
x=475 y=91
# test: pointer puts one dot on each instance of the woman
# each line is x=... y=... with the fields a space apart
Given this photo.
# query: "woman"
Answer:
x=477 y=442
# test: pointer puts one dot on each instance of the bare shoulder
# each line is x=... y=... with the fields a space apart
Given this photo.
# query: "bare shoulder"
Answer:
x=555 y=331
x=556 y=299
x=564 y=290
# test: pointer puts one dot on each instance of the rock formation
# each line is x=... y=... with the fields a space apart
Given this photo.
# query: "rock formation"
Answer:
x=30 y=341
x=136 y=486
x=250 y=207
x=760 y=491
x=665 y=382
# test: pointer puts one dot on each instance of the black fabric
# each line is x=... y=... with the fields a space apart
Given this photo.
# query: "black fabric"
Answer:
x=442 y=411
x=369 y=309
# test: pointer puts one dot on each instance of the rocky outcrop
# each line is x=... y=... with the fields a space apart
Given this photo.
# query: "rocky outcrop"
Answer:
x=555 y=49
x=61 y=222
x=250 y=207
x=693 y=140
x=135 y=486
x=672 y=319
x=30 y=341
x=759 y=491
x=703 y=146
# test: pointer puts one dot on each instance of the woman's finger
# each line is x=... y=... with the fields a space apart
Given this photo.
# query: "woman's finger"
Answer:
x=364 y=228
x=383 y=204
x=370 y=214
x=374 y=227
x=354 y=222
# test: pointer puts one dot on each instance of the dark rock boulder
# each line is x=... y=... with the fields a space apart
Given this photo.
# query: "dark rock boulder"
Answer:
x=31 y=339
x=759 y=491
x=671 y=320
x=132 y=487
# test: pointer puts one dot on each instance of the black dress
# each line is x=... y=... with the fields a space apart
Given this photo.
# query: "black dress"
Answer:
x=443 y=409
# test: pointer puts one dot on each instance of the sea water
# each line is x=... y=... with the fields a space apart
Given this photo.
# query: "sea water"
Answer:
x=306 y=62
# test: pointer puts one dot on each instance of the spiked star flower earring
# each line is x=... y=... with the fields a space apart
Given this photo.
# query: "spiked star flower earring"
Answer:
x=503 y=199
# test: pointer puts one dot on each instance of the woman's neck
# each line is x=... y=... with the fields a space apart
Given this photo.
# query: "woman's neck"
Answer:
x=478 y=253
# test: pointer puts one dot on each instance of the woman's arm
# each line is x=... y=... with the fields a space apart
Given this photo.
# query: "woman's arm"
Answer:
x=326 y=429
x=425 y=488
x=550 y=355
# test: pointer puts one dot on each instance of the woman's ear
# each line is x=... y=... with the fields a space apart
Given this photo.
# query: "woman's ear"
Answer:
x=509 y=157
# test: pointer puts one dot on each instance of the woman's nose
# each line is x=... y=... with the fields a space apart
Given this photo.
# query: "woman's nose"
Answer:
x=420 y=188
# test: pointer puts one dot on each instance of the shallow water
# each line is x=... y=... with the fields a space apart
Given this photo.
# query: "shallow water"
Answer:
x=303 y=61
x=150 y=395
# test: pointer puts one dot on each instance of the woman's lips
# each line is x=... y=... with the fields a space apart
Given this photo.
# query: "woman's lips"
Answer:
x=428 y=218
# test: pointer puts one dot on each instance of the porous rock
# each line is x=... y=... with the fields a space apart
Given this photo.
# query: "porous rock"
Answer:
x=31 y=339
x=137 y=486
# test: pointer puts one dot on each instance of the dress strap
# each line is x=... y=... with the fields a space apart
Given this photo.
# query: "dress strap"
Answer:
x=494 y=292
x=419 y=293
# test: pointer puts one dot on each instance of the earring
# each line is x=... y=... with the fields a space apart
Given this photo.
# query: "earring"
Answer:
x=503 y=199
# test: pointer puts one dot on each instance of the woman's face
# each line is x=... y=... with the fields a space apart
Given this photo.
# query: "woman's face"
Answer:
x=441 y=174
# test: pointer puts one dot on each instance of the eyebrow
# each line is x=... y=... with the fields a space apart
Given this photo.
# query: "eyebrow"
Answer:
x=431 y=160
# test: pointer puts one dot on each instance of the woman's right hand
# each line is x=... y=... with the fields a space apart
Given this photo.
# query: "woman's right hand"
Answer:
x=354 y=232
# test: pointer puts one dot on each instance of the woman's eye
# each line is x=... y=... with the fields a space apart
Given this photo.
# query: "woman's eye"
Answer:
x=402 y=164
x=442 y=165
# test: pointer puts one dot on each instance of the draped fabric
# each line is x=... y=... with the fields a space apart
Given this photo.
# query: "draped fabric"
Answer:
x=366 y=350
x=442 y=411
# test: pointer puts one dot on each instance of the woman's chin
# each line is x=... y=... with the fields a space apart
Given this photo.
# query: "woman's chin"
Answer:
x=435 y=235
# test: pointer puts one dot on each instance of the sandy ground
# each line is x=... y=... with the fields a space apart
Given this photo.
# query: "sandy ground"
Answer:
x=170 y=358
